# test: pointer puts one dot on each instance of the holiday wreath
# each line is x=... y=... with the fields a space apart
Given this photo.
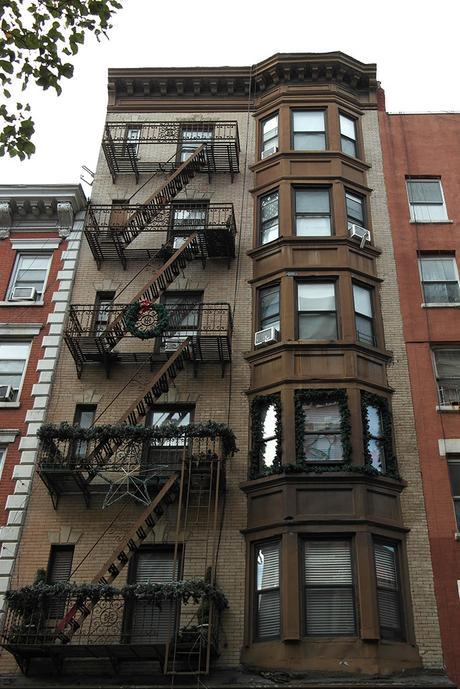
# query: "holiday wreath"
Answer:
x=150 y=313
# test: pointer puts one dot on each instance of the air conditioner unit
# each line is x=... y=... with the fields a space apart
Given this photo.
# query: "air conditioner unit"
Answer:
x=23 y=294
x=269 y=152
x=170 y=344
x=6 y=393
x=266 y=336
x=360 y=233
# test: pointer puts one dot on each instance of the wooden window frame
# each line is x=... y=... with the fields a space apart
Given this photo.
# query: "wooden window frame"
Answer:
x=323 y=131
x=313 y=187
x=259 y=305
x=331 y=281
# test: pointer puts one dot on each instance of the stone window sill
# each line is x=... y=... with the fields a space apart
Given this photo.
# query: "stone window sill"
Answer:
x=448 y=407
x=452 y=305
x=22 y=303
x=431 y=222
x=10 y=405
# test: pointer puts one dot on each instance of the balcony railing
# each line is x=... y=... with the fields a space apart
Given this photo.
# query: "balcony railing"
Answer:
x=146 y=147
x=208 y=326
x=109 y=239
x=180 y=635
x=449 y=393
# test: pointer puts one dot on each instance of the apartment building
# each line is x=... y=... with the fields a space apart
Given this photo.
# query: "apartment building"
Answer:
x=421 y=153
x=229 y=474
x=40 y=233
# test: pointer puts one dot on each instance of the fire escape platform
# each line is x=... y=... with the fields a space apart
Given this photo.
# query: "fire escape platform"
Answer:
x=140 y=156
x=107 y=230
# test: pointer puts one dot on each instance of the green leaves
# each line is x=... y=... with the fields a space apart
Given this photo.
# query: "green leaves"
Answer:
x=36 y=36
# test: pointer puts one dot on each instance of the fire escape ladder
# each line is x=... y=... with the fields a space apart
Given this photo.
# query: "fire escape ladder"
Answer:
x=156 y=387
x=142 y=217
x=128 y=546
x=190 y=249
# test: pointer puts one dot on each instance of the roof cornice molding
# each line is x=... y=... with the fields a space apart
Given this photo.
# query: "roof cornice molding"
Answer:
x=36 y=205
x=45 y=195
x=197 y=84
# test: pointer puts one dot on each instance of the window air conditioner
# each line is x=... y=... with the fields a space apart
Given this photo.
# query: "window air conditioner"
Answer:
x=6 y=393
x=23 y=294
x=266 y=336
x=170 y=344
x=269 y=152
x=360 y=233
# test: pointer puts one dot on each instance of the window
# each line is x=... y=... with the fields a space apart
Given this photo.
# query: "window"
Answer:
x=388 y=590
x=165 y=454
x=13 y=359
x=268 y=214
x=59 y=571
x=447 y=366
x=2 y=458
x=268 y=606
x=355 y=209
x=426 y=200
x=29 y=277
x=161 y=416
x=322 y=439
x=84 y=417
x=364 y=324
x=193 y=136
x=439 y=278
x=102 y=307
x=453 y=464
x=316 y=311
x=348 y=135
x=376 y=439
x=329 y=594
x=269 y=135
x=132 y=139
x=149 y=623
x=309 y=130
x=118 y=214
x=312 y=213
x=269 y=439
x=184 y=311
x=269 y=307
x=187 y=218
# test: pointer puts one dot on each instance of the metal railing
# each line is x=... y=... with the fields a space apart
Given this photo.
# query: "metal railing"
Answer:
x=449 y=393
x=185 y=320
x=171 y=132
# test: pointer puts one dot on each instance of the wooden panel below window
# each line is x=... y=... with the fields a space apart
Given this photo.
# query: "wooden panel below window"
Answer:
x=324 y=501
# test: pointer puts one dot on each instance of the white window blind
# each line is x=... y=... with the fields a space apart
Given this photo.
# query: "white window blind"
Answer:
x=388 y=595
x=329 y=596
x=59 y=570
x=267 y=590
x=426 y=200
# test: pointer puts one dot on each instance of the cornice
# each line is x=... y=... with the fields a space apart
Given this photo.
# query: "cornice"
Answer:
x=36 y=203
x=176 y=88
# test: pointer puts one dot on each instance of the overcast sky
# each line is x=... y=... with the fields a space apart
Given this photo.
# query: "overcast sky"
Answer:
x=413 y=42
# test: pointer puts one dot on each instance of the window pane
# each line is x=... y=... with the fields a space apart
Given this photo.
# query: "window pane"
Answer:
x=389 y=613
x=354 y=208
x=330 y=611
x=313 y=226
x=347 y=127
x=322 y=417
x=323 y=448
x=454 y=474
x=33 y=262
x=374 y=420
x=268 y=614
x=270 y=126
x=437 y=269
x=385 y=565
x=377 y=454
x=269 y=424
x=267 y=563
x=269 y=207
x=312 y=201
x=441 y=293
x=364 y=330
x=316 y=296
x=328 y=562
x=309 y=142
x=270 y=231
x=363 y=300
x=269 y=306
x=309 y=121
x=16 y=350
x=317 y=326
x=348 y=146
x=428 y=213
x=424 y=191
x=448 y=363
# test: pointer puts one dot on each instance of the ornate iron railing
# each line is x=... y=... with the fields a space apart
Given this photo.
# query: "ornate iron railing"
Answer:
x=449 y=393
x=171 y=132
x=185 y=320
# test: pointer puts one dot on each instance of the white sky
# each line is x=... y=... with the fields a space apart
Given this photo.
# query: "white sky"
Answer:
x=413 y=42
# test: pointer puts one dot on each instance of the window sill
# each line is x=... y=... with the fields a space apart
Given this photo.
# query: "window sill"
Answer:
x=431 y=222
x=10 y=405
x=452 y=305
x=448 y=407
x=22 y=303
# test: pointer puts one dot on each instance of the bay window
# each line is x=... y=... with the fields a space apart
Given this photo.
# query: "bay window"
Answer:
x=309 y=131
x=317 y=317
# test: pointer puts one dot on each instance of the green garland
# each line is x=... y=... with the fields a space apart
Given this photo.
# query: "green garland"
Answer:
x=391 y=467
x=134 y=310
x=195 y=590
x=49 y=432
x=259 y=407
x=322 y=397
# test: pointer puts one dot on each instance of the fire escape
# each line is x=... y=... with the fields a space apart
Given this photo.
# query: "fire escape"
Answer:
x=186 y=475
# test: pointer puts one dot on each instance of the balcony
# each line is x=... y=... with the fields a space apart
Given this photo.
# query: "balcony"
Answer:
x=207 y=326
x=107 y=233
x=160 y=147
x=94 y=462
x=178 y=634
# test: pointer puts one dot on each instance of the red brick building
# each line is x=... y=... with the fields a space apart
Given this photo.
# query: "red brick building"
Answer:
x=422 y=173
x=40 y=233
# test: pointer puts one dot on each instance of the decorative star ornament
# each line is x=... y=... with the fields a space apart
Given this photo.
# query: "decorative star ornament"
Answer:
x=133 y=483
